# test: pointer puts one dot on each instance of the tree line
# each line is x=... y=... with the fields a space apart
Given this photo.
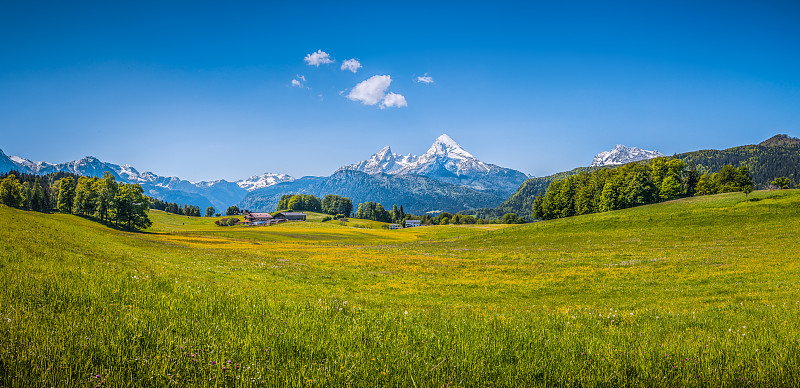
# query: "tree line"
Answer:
x=124 y=205
x=182 y=210
x=634 y=184
x=331 y=204
x=376 y=212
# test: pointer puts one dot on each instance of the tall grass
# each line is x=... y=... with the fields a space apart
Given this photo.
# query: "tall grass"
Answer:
x=696 y=292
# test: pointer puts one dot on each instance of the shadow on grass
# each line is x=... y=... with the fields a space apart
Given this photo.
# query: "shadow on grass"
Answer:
x=112 y=225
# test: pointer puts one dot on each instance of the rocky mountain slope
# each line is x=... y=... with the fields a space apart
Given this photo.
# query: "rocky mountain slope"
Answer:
x=623 y=155
x=445 y=161
x=418 y=194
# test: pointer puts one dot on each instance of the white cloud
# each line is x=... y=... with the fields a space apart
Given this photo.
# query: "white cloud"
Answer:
x=426 y=79
x=318 y=58
x=299 y=82
x=352 y=65
x=371 y=91
x=393 y=99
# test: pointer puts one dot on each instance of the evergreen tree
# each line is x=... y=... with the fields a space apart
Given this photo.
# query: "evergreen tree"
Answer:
x=39 y=202
x=691 y=181
x=66 y=195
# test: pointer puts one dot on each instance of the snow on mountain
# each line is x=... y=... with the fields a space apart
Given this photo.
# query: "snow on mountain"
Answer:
x=447 y=154
x=384 y=161
x=219 y=193
x=622 y=155
x=263 y=180
x=29 y=166
x=446 y=161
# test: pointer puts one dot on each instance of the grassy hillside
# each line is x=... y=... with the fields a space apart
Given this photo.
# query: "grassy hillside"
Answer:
x=167 y=222
x=696 y=292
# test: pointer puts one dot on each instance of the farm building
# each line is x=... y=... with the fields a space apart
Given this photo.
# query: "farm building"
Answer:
x=258 y=218
x=413 y=223
x=395 y=226
x=290 y=216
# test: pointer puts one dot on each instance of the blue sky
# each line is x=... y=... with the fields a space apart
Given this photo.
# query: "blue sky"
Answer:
x=204 y=90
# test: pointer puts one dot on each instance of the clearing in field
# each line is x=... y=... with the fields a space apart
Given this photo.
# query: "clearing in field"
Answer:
x=694 y=292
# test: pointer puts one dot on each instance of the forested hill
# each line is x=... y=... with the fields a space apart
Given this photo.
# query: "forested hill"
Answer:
x=521 y=202
x=775 y=157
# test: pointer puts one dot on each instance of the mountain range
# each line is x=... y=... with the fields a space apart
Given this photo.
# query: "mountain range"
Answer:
x=219 y=194
x=445 y=161
x=445 y=178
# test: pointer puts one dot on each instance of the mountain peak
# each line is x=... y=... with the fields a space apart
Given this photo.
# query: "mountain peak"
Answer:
x=622 y=154
x=88 y=159
x=444 y=145
x=446 y=139
x=444 y=161
x=384 y=153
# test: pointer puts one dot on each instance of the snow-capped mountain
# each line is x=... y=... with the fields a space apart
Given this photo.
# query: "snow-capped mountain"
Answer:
x=384 y=161
x=446 y=161
x=622 y=155
x=263 y=180
x=219 y=193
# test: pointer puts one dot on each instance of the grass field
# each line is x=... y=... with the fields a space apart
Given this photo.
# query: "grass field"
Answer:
x=696 y=292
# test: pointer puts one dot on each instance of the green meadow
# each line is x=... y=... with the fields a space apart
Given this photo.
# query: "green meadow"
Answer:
x=702 y=291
